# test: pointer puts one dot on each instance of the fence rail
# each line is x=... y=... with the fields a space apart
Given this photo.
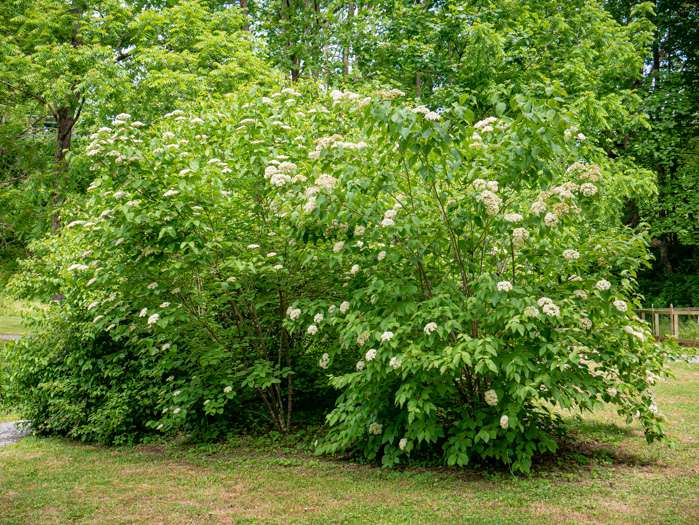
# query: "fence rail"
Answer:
x=674 y=314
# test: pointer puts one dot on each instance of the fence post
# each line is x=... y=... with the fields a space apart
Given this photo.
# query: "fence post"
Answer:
x=673 y=321
x=656 y=322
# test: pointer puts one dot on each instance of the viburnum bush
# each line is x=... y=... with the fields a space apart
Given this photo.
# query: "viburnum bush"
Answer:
x=179 y=255
x=449 y=261
x=468 y=287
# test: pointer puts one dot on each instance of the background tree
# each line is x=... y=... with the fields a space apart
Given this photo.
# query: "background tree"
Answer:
x=670 y=148
x=75 y=63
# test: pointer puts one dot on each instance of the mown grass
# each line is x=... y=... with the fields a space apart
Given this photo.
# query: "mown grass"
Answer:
x=11 y=325
x=15 y=307
x=609 y=475
x=7 y=415
x=11 y=311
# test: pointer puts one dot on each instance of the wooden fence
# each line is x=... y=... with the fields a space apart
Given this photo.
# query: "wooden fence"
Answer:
x=674 y=314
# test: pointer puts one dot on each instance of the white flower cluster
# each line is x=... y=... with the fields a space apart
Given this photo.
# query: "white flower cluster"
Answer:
x=504 y=422
x=585 y=323
x=395 y=363
x=153 y=319
x=360 y=365
x=390 y=94
x=603 y=285
x=339 y=96
x=581 y=294
x=504 y=286
x=293 y=313
x=548 y=307
x=477 y=140
x=631 y=331
x=403 y=443
x=513 y=217
x=551 y=220
x=479 y=184
x=593 y=173
x=485 y=122
x=538 y=207
x=381 y=256
x=491 y=201
x=370 y=355
x=571 y=254
x=318 y=318
x=519 y=237
x=326 y=181
x=363 y=338
x=531 y=311
x=430 y=327
x=310 y=205
x=386 y=336
x=324 y=361
x=376 y=429
x=312 y=330
x=491 y=397
x=566 y=190
x=588 y=189
x=620 y=305
x=389 y=215
x=337 y=248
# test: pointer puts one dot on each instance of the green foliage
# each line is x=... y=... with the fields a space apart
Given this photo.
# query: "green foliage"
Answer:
x=670 y=145
x=680 y=288
x=70 y=379
x=66 y=66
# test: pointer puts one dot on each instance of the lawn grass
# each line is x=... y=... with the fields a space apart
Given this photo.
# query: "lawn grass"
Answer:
x=609 y=475
x=11 y=324
x=11 y=311
x=6 y=416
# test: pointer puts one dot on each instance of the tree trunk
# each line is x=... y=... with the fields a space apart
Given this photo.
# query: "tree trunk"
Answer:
x=244 y=11
x=346 y=50
x=665 y=254
x=65 y=120
x=418 y=84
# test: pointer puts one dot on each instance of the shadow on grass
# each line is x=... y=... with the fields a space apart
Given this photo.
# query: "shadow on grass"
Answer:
x=590 y=448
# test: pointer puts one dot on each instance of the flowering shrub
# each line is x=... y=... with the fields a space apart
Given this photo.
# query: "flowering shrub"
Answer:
x=465 y=266
x=177 y=254
x=448 y=261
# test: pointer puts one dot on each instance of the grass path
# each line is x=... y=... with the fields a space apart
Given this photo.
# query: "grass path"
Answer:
x=610 y=476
